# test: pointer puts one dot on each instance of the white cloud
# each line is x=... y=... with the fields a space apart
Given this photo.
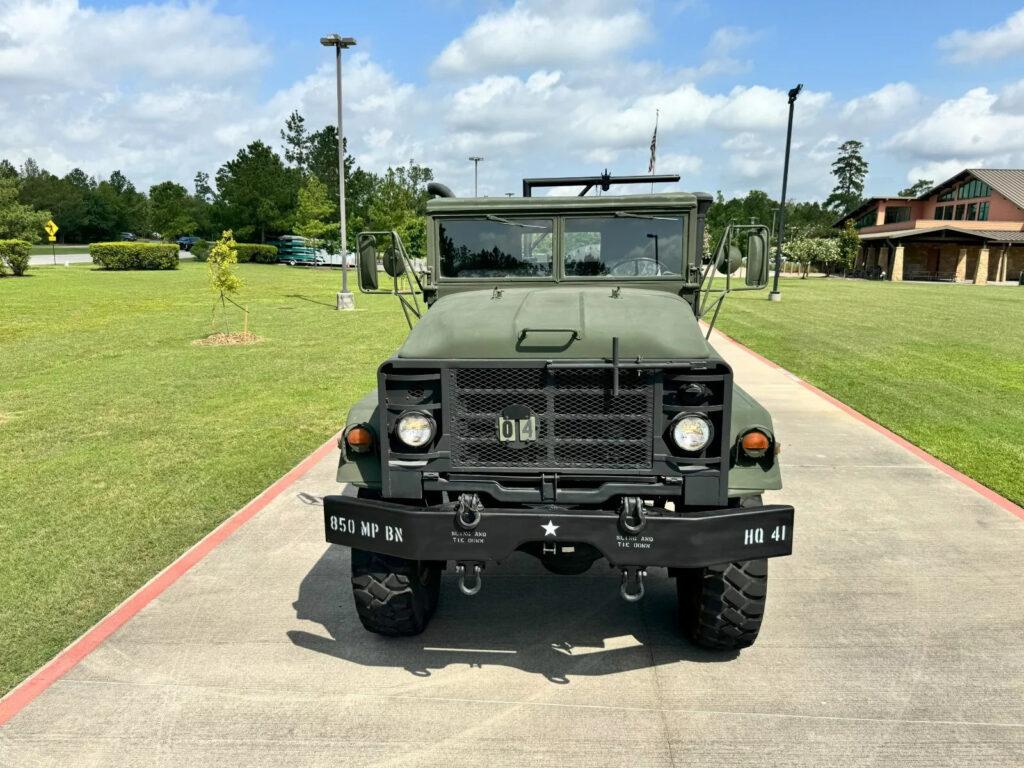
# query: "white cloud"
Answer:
x=996 y=42
x=534 y=34
x=889 y=101
x=968 y=126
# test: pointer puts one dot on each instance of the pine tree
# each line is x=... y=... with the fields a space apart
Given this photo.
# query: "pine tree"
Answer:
x=850 y=169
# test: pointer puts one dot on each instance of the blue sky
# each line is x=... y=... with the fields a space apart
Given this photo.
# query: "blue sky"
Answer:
x=537 y=88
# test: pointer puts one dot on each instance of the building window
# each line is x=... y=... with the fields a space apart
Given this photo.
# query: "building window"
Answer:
x=869 y=219
x=949 y=213
x=938 y=211
x=959 y=213
x=973 y=188
x=982 y=211
x=972 y=211
x=946 y=196
x=896 y=214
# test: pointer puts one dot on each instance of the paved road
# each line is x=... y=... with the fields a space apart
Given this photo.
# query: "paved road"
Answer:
x=893 y=638
x=81 y=257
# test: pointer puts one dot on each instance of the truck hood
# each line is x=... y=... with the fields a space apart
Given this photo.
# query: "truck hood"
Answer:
x=562 y=322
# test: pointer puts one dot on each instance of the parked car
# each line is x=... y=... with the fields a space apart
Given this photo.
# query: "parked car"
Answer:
x=186 y=243
x=129 y=236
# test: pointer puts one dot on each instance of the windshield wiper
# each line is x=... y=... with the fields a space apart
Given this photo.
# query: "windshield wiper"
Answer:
x=620 y=215
x=492 y=217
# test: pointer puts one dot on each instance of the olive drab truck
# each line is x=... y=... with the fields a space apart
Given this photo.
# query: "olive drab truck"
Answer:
x=557 y=396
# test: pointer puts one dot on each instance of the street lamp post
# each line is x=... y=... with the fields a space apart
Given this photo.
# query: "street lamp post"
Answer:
x=775 y=295
x=476 y=165
x=345 y=298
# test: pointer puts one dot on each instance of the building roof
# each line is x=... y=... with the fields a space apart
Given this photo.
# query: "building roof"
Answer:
x=863 y=207
x=948 y=233
x=1009 y=182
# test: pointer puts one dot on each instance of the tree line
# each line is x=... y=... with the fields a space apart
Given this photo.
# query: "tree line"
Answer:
x=260 y=194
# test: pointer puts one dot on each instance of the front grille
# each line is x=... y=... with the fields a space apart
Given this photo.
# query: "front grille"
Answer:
x=580 y=424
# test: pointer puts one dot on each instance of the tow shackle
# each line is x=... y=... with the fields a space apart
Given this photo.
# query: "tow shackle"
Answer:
x=632 y=515
x=632 y=588
x=460 y=569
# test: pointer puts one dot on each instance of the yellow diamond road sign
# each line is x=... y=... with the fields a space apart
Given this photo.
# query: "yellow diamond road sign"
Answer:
x=51 y=228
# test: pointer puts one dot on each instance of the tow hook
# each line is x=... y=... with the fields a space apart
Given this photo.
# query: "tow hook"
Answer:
x=460 y=569
x=632 y=515
x=632 y=589
x=468 y=511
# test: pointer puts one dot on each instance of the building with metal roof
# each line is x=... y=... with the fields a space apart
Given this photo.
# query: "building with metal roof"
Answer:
x=969 y=228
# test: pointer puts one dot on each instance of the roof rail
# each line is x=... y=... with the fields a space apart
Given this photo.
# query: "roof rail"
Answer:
x=605 y=180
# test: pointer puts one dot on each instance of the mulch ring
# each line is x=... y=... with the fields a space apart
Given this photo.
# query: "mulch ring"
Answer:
x=225 y=339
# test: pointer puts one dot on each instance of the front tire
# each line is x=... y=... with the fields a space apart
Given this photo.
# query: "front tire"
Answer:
x=721 y=606
x=394 y=596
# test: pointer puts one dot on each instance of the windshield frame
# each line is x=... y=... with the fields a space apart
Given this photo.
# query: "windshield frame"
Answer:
x=686 y=215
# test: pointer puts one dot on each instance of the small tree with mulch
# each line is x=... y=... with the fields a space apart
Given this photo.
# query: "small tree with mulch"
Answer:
x=220 y=267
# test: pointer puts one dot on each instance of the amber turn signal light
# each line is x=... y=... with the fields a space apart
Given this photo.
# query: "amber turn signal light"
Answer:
x=755 y=444
x=359 y=439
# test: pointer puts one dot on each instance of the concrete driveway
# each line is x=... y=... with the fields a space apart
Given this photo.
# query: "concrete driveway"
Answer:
x=894 y=637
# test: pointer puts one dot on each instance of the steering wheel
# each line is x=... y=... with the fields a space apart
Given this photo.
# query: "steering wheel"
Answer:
x=642 y=267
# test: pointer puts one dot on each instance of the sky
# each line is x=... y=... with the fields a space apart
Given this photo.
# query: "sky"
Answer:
x=164 y=89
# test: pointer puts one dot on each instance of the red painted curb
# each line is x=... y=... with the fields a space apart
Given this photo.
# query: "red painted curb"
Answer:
x=974 y=485
x=18 y=698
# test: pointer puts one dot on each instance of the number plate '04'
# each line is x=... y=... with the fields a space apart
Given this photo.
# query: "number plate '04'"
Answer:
x=517 y=430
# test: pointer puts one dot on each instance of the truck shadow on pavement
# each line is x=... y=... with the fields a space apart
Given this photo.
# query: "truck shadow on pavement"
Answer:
x=524 y=618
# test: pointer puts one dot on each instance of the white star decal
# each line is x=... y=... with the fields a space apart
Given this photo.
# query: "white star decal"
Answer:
x=550 y=528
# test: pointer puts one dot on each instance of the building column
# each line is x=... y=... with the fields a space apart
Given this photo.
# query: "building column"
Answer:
x=857 y=262
x=981 y=269
x=883 y=259
x=1001 y=269
x=961 y=265
x=897 y=265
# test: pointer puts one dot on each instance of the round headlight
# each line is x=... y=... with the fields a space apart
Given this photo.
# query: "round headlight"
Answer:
x=415 y=429
x=691 y=432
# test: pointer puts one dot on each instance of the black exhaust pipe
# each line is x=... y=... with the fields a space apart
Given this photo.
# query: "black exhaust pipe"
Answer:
x=437 y=189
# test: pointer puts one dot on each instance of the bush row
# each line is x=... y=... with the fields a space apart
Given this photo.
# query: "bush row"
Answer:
x=14 y=255
x=134 y=255
x=261 y=254
x=200 y=249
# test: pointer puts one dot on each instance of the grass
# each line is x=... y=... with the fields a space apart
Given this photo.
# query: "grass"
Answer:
x=122 y=443
x=940 y=365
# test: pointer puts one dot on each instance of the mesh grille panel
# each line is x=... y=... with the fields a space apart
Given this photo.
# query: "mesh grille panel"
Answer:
x=579 y=423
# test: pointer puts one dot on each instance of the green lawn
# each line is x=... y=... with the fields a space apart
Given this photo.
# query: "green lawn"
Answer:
x=122 y=444
x=941 y=365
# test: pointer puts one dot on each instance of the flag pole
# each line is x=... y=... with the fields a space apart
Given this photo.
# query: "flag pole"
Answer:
x=654 y=147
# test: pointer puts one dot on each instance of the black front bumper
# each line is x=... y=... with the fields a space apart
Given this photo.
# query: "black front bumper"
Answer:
x=680 y=540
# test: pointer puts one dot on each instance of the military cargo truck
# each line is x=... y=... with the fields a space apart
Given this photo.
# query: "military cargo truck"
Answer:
x=557 y=396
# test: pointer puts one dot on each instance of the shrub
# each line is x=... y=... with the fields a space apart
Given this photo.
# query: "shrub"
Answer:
x=260 y=254
x=200 y=250
x=135 y=255
x=15 y=254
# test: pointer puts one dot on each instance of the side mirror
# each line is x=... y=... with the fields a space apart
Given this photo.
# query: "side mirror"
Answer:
x=367 y=247
x=757 y=258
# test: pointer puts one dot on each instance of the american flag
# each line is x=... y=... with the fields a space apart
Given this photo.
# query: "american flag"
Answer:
x=654 y=148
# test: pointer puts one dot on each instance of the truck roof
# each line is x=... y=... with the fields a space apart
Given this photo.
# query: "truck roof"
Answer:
x=563 y=204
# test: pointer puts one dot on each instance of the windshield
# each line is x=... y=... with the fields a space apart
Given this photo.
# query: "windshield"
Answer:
x=624 y=246
x=495 y=247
